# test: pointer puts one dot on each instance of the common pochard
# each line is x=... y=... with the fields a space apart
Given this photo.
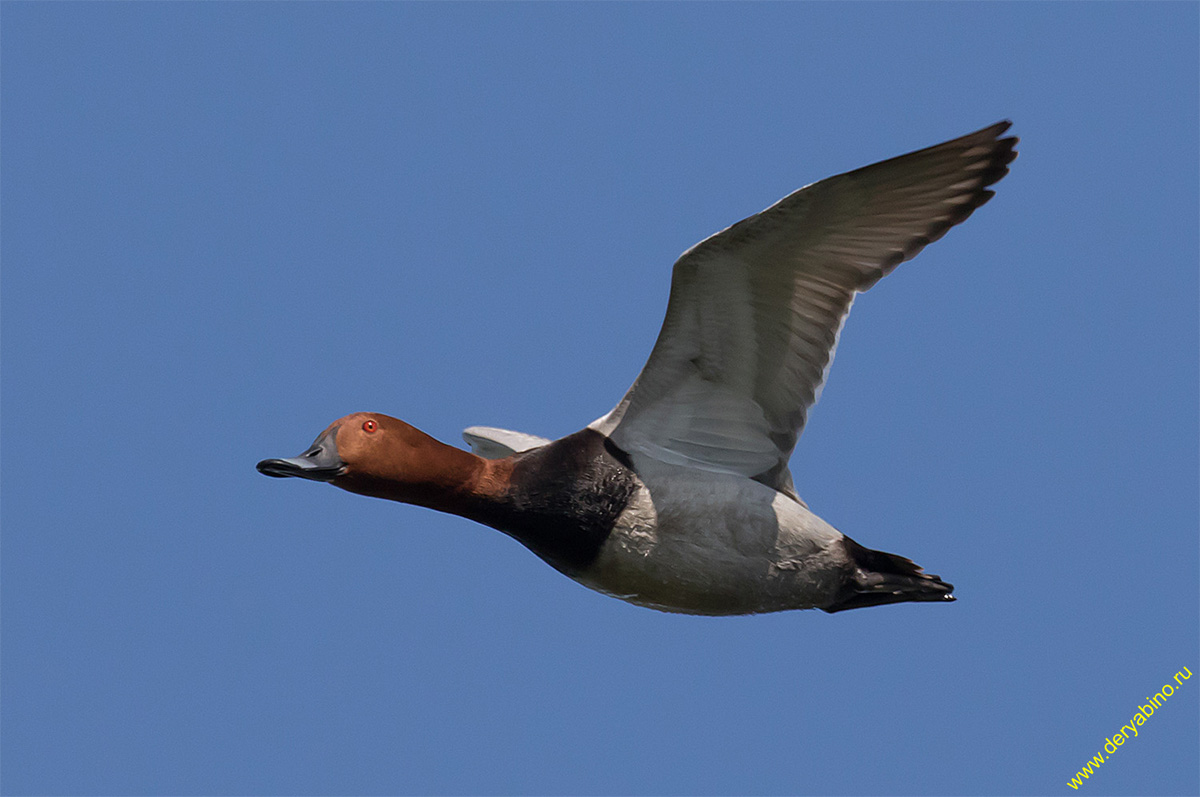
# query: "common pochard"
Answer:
x=680 y=498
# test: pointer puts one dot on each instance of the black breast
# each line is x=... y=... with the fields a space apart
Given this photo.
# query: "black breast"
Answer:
x=565 y=499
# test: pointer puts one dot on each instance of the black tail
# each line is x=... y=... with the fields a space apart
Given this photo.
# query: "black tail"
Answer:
x=875 y=578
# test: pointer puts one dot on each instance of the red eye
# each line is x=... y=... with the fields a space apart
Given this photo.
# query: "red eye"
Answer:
x=370 y=426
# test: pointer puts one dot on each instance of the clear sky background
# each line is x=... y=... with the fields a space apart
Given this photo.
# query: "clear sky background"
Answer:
x=226 y=225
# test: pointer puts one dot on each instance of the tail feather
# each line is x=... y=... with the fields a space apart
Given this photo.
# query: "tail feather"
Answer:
x=875 y=578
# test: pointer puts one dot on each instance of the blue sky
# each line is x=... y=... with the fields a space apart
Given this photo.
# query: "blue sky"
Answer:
x=225 y=225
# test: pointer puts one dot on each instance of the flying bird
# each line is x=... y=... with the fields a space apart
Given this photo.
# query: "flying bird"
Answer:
x=680 y=498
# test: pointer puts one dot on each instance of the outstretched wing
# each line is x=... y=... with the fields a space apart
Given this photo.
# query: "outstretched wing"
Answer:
x=756 y=309
x=492 y=443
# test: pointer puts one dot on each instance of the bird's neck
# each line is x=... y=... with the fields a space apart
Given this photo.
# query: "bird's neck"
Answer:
x=435 y=475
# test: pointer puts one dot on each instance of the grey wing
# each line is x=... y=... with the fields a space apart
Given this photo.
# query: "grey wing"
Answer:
x=755 y=310
x=492 y=443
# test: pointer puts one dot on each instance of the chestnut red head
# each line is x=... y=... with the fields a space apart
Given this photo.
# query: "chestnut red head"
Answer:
x=375 y=454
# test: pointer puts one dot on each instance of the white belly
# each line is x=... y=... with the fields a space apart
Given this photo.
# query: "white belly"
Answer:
x=709 y=543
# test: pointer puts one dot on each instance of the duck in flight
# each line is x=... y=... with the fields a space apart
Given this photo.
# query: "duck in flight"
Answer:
x=680 y=498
